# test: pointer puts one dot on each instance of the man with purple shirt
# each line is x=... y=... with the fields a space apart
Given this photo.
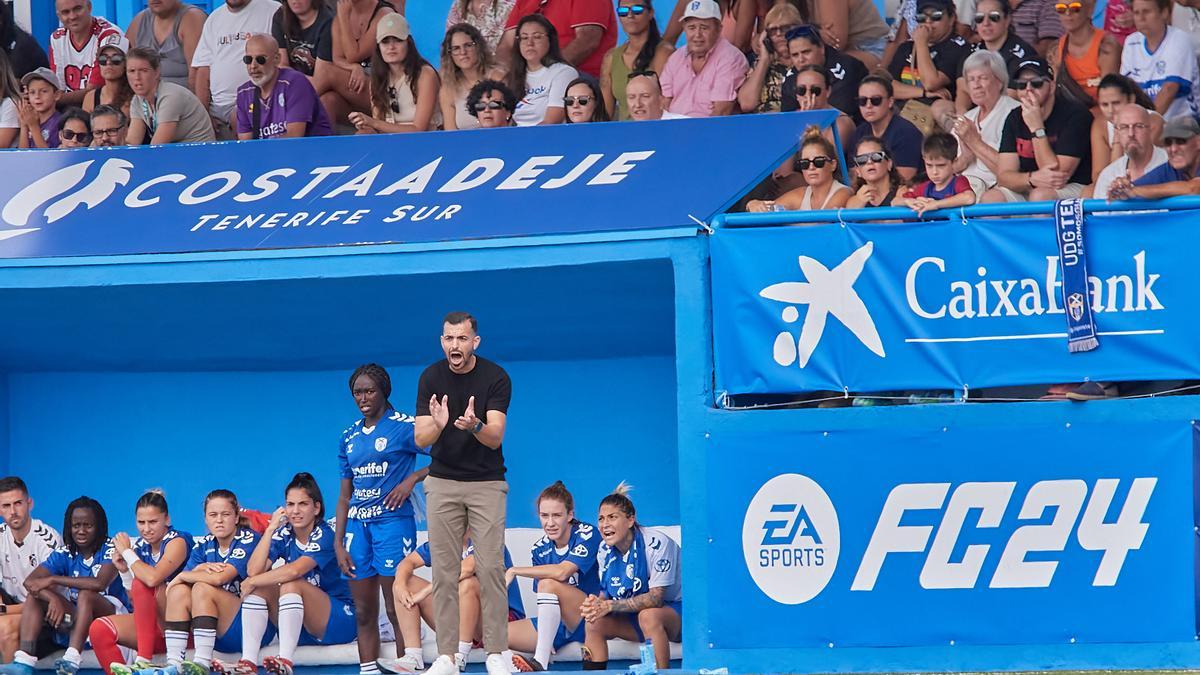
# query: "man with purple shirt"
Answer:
x=277 y=102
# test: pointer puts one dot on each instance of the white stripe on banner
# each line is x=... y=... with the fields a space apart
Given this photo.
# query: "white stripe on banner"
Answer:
x=1036 y=336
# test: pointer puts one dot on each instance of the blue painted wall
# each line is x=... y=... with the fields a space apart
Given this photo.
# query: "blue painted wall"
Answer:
x=112 y=435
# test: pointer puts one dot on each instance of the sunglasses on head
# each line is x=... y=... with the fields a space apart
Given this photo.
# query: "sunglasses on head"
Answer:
x=805 y=90
x=804 y=30
x=1022 y=85
x=631 y=10
x=81 y=136
x=1072 y=7
x=869 y=158
x=930 y=17
x=577 y=100
x=873 y=100
x=114 y=60
x=993 y=17
x=818 y=162
x=489 y=105
x=260 y=59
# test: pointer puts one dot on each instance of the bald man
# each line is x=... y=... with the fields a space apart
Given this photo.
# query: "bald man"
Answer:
x=1134 y=130
x=276 y=102
x=643 y=96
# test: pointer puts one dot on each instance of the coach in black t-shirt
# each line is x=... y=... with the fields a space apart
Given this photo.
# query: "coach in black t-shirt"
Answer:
x=1045 y=149
x=462 y=409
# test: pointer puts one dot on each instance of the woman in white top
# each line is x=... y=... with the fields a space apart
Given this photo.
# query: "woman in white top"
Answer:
x=404 y=87
x=818 y=161
x=538 y=74
x=10 y=93
x=466 y=61
x=979 y=130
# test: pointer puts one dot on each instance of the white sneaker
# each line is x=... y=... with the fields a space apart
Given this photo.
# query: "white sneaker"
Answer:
x=444 y=665
x=460 y=660
x=496 y=665
x=404 y=664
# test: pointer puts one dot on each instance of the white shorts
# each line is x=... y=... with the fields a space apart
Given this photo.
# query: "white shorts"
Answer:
x=1068 y=191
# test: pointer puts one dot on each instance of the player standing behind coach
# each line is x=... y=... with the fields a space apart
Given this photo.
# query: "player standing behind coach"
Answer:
x=466 y=487
x=25 y=543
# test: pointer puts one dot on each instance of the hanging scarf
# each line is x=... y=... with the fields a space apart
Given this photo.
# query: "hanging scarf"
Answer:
x=1072 y=262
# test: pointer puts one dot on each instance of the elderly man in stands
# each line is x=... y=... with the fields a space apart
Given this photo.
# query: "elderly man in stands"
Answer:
x=1177 y=177
x=586 y=29
x=1045 y=152
x=643 y=96
x=75 y=47
x=110 y=127
x=702 y=80
x=1132 y=127
x=218 y=57
x=277 y=102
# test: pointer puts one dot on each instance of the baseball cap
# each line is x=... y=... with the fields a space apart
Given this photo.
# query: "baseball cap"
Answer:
x=1184 y=126
x=117 y=41
x=702 y=9
x=392 y=25
x=1036 y=65
x=42 y=73
x=944 y=5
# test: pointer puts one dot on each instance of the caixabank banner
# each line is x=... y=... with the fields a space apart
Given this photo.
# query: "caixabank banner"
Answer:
x=1003 y=536
x=959 y=304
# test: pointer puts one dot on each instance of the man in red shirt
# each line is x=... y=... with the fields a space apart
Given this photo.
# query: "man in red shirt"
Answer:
x=75 y=47
x=587 y=29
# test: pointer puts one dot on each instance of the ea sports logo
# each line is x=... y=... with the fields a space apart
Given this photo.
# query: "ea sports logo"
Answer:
x=791 y=539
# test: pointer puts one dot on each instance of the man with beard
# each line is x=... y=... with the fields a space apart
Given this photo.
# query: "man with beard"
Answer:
x=462 y=411
x=276 y=103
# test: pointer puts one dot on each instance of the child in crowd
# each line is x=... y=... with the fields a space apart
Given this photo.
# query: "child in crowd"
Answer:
x=38 y=113
x=944 y=189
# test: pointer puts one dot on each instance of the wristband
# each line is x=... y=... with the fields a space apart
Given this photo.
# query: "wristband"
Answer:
x=478 y=427
x=129 y=557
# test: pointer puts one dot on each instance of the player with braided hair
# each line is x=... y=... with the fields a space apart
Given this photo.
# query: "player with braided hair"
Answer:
x=376 y=524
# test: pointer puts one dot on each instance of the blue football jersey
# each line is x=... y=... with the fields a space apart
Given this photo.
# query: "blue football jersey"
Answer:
x=207 y=550
x=142 y=548
x=376 y=459
x=581 y=550
x=651 y=562
x=326 y=575
x=514 y=592
x=63 y=563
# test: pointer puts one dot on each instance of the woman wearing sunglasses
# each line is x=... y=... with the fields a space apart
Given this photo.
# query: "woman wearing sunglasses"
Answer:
x=993 y=24
x=877 y=103
x=806 y=49
x=404 y=87
x=876 y=181
x=1160 y=59
x=645 y=50
x=813 y=85
x=763 y=89
x=466 y=61
x=1085 y=53
x=492 y=103
x=74 y=129
x=817 y=162
x=539 y=75
x=115 y=91
x=582 y=102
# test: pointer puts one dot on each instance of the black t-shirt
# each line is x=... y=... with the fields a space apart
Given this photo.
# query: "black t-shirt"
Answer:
x=25 y=55
x=1068 y=128
x=902 y=138
x=314 y=42
x=1013 y=51
x=457 y=454
x=948 y=56
x=845 y=71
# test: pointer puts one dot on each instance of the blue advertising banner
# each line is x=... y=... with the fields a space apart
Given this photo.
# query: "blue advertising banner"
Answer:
x=874 y=307
x=386 y=188
x=1002 y=536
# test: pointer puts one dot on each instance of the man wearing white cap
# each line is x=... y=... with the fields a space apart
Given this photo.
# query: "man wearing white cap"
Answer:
x=75 y=46
x=703 y=79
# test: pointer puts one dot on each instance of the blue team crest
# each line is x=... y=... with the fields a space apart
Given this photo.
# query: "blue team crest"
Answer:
x=237 y=553
x=662 y=565
x=629 y=572
x=579 y=550
x=1075 y=305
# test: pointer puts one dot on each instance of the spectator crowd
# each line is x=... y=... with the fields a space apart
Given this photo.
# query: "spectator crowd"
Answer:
x=947 y=103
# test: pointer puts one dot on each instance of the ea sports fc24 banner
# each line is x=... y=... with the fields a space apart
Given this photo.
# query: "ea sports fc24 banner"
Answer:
x=950 y=305
x=386 y=188
x=983 y=536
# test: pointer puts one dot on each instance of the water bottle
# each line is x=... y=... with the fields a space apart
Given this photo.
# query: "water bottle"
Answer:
x=647 y=653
